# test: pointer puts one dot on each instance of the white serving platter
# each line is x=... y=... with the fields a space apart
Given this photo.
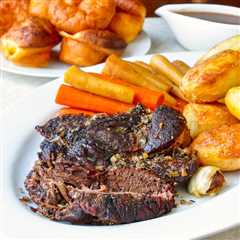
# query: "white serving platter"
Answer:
x=19 y=146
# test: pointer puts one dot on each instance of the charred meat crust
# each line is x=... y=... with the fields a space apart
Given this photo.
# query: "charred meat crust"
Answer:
x=167 y=126
x=92 y=141
x=174 y=165
x=61 y=125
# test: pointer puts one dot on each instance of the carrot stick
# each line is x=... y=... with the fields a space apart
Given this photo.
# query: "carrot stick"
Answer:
x=72 y=97
x=146 y=97
x=145 y=92
x=74 y=111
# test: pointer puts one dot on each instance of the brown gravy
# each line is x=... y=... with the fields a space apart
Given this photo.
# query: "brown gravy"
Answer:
x=213 y=17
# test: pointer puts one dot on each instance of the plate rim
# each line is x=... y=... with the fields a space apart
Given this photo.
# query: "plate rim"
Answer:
x=226 y=198
x=19 y=70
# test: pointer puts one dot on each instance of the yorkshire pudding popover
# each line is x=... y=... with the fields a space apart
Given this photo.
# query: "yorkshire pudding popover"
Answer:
x=12 y=11
x=39 y=8
x=73 y=16
x=90 y=47
x=128 y=20
x=30 y=42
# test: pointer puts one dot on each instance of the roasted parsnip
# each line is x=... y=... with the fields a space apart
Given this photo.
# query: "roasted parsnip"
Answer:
x=167 y=68
x=158 y=75
x=89 y=83
x=181 y=66
x=120 y=69
x=153 y=80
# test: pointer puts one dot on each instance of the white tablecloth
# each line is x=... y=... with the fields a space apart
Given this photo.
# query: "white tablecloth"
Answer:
x=14 y=87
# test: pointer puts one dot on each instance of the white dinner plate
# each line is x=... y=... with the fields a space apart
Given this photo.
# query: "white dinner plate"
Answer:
x=56 y=68
x=20 y=144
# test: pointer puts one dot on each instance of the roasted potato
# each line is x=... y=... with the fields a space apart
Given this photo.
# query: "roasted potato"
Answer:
x=211 y=79
x=232 y=100
x=219 y=147
x=232 y=43
x=202 y=117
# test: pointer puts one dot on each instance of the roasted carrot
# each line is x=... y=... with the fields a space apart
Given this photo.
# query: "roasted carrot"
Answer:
x=146 y=97
x=74 y=111
x=89 y=83
x=72 y=97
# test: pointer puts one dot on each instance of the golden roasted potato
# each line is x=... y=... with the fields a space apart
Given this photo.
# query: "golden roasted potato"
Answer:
x=219 y=147
x=232 y=100
x=202 y=117
x=232 y=43
x=211 y=79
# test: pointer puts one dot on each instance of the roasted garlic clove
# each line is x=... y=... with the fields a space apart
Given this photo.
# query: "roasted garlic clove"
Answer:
x=207 y=180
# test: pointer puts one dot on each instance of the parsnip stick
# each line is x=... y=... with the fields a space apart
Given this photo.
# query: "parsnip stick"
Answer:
x=222 y=100
x=166 y=67
x=161 y=78
x=157 y=74
x=177 y=92
x=89 y=83
x=150 y=77
x=120 y=69
x=144 y=65
x=181 y=66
